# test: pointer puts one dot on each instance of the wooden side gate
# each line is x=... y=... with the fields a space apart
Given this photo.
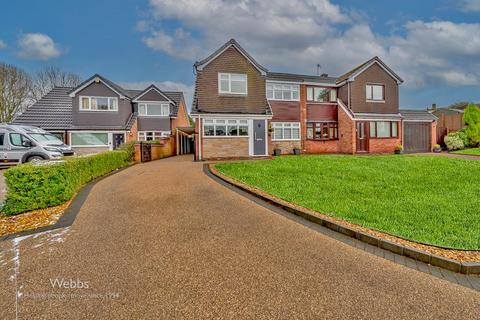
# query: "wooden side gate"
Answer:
x=146 y=152
x=417 y=137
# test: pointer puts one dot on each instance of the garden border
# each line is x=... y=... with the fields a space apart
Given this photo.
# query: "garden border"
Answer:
x=70 y=214
x=416 y=254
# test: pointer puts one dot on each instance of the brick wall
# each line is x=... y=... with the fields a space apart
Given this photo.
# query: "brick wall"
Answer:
x=132 y=135
x=286 y=147
x=346 y=133
x=230 y=61
x=225 y=147
x=376 y=75
x=383 y=145
x=303 y=116
x=330 y=146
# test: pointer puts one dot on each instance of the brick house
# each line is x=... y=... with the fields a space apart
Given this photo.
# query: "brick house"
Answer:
x=99 y=115
x=242 y=110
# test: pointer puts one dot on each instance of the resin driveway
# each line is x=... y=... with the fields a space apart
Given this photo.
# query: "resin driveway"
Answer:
x=163 y=240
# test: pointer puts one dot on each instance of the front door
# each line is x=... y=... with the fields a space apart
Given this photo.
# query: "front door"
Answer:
x=362 y=136
x=259 y=141
x=118 y=139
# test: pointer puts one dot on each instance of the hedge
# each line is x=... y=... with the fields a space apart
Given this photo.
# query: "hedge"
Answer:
x=31 y=187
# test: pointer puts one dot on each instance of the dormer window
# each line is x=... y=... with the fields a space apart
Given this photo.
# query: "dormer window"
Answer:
x=232 y=83
x=375 y=93
x=98 y=103
x=154 y=109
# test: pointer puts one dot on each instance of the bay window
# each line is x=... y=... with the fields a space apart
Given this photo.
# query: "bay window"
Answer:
x=375 y=92
x=283 y=92
x=225 y=128
x=154 y=109
x=318 y=94
x=322 y=130
x=384 y=129
x=98 y=104
x=232 y=83
x=286 y=131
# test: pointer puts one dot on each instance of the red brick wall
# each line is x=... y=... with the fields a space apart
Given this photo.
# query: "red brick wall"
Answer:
x=303 y=116
x=346 y=133
x=330 y=146
x=133 y=134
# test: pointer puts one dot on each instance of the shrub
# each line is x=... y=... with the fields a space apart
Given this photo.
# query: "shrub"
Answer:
x=454 y=141
x=399 y=147
x=129 y=148
x=471 y=118
x=33 y=187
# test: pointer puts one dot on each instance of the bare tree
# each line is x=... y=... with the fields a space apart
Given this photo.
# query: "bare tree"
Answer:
x=46 y=79
x=15 y=88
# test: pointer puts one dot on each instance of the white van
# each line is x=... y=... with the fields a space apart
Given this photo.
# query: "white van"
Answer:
x=20 y=144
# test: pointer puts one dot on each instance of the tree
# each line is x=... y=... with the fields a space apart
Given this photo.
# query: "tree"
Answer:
x=50 y=77
x=471 y=117
x=15 y=88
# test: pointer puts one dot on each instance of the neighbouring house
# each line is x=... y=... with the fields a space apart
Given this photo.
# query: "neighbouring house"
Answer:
x=99 y=115
x=242 y=110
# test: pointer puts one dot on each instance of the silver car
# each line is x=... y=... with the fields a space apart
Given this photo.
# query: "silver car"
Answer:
x=20 y=144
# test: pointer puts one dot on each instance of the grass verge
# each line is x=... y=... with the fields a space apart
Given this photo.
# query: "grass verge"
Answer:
x=434 y=200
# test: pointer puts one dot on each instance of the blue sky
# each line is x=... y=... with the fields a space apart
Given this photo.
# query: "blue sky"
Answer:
x=433 y=45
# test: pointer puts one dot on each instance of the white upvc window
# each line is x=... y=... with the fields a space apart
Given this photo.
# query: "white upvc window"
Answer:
x=375 y=92
x=225 y=128
x=232 y=83
x=319 y=94
x=98 y=103
x=89 y=139
x=154 y=109
x=286 y=131
x=283 y=92
x=152 y=135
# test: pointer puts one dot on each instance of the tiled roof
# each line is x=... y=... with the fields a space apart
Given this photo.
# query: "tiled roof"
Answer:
x=352 y=72
x=52 y=112
x=231 y=42
x=417 y=115
x=277 y=76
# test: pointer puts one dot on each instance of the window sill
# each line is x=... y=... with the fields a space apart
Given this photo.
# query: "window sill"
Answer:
x=285 y=140
x=147 y=116
x=375 y=101
x=224 y=137
x=336 y=139
x=316 y=102
x=229 y=94
x=80 y=110
x=282 y=100
x=383 y=138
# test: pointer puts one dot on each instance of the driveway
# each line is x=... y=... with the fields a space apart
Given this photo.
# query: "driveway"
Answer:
x=162 y=240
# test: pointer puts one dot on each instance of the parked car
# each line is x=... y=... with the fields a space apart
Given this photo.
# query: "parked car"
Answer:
x=20 y=144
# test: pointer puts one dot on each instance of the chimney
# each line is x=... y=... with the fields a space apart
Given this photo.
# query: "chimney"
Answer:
x=434 y=106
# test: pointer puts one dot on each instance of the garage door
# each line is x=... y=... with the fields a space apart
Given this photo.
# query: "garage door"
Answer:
x=417 y=136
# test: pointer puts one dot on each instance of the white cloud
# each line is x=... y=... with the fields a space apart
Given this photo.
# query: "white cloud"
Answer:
x=180 y=44
x=471 y=5
x=164 y=85
x=295 y=35
x=37 y=46
x=2 y=44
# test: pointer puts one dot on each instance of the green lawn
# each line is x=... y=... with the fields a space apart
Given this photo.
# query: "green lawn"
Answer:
x=472 y=151
x=433 y=200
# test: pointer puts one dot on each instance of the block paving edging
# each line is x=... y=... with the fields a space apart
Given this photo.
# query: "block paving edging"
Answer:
x=423 y=256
